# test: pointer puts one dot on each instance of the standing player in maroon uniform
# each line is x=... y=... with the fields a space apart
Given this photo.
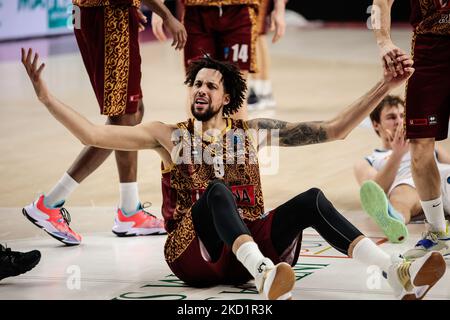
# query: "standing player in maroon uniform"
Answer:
x=427 y=106
x=260 y=86
x=227 y=30
x=107 y=36
x=218 y=232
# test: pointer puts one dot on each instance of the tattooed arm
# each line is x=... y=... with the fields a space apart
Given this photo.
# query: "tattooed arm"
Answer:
x=291 y=134
x=304 y=133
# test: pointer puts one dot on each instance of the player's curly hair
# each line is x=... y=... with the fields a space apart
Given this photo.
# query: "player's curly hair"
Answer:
x=233 y=82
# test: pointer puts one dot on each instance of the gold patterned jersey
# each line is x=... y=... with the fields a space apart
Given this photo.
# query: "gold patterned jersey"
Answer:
x=220 y=2
x=189 y=177
x=99 y=3
x=431 y=16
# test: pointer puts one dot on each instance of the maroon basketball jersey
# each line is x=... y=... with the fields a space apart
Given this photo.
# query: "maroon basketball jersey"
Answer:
x=185 y=182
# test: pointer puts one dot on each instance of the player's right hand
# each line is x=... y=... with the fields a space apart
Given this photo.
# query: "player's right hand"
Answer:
x=178 y=32
x=399 y=144
x=389 y=52
x=31 y=62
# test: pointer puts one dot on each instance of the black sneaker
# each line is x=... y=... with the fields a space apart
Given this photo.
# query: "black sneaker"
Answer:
x=13 y=263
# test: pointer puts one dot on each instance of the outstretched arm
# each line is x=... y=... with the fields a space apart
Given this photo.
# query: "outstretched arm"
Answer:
x=381 y=22
x=143 y=136
x=303 y=133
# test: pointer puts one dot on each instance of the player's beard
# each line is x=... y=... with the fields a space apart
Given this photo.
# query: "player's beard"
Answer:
x=205 y=116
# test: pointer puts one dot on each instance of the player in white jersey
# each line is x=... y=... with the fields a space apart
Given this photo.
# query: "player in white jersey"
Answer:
x=389 y=171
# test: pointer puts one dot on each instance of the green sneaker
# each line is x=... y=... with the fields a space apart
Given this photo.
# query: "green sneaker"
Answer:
x=376 y=204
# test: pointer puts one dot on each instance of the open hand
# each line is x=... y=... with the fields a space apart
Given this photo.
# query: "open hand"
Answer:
x=34 y=70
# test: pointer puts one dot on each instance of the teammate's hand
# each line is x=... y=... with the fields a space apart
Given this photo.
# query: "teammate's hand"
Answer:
x=31 y=62
x=389 y=52
x=177 y=31
x=278 y=23
x=394 y=79
x=157 y=27
x=142 y=20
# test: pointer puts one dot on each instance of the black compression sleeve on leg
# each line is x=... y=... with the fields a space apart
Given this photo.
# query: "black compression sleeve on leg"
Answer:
x=216 y=218
x=228 y=222
x=311 y=209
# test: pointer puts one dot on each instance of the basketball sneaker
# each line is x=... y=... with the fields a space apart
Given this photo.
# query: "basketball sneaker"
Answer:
x=411 y=280
x=13 y=263
x=140 y=223
x=254 y=102
x=431 y=241
x=268 y=100
x=376 y=204
x=275 y=282
x=55 y=221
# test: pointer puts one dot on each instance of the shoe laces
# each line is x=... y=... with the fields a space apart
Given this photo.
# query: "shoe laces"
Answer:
x=7 y=252
x=429 y=238
x=66 y=215
x=147 y=205
x=404 y=276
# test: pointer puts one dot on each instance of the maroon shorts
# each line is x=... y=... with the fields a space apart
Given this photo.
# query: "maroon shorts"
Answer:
x=227 y=33
x=109 y=46
x=428 y=89
x=193 y=269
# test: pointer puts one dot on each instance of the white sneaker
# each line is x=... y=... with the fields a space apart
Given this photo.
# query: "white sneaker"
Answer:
x=275 y=282
x=431 y=241
x=411 y=280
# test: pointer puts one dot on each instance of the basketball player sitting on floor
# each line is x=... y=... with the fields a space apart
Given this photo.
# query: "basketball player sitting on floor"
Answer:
x=216 y=238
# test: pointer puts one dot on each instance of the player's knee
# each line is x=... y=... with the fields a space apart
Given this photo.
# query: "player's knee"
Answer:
x=218 y=190
x=310 y=195
x=306 y=201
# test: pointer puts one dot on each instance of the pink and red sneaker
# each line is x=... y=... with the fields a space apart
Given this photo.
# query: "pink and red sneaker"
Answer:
x=54 y=221
x=142 y=223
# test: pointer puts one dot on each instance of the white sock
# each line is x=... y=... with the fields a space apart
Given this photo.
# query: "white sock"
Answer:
x=61 y=191
x=129 y=197
x=367 y=252
x=266 y=87
x=434 y=212
x=250 y=256
x=258 y=86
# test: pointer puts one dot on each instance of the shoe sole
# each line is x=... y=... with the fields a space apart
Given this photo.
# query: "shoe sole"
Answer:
x=35 y=222
x=429 y=274
x=283 y=282
x=375 y=203
x=29 y=268
x=135 y=234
